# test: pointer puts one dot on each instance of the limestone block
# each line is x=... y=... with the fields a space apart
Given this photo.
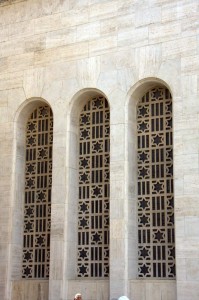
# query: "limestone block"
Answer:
x=2 y=289
x=58 y=193
x=76 y=4
x=3 y=98
x=103 y=10
x=34 y=43
x=117 y=150
x=73 y=151
x=11 y=47
x=6 y=169
x=107 y=82
x=181 y=268
x=3 y=64
x=146 y=16
x=117 y=288
x=49 y=7
x=174 y=11
x=117 y=192
x=187 y=164
x=4 y=33
x=169 y=71
x=191 y=142
x=52 y=92
x=117 y=200
x=103 y=45
x=190 y=28
x=192 y=268
x=179 y=219
x=118 y=230
x=48 y=23
x=109 y=26
x=69 y=88
x=192 y=226
x=191 y=180
x=4 y=115
x=5 y=232
x=54 y=289
x=186 y=205
x=60 y=37
x=190 y=66
x=126 y=22
x=67 y=53
x=75 y=17
x=56 y=268
x=126 y=7
x=5 y=15
x=20 y=62
x=59 y=70
x=187 y=247
x=164 y=32
x=137 y=291
x=58 y=176
x=57 y=231
x=30 y=289
x=21 y=30
x=59 y=156
x=88 y=71
x=188 y=290
x=33 y=82
x=135 y=37
x=126 y=79
x=3 y=252
x=89 y=31
x=116 y=98
x=72 y=177
x=153 y=290
x=189 y=86
x=185 y=47
x=24 y=11
x=148 y=60
x=117 y=169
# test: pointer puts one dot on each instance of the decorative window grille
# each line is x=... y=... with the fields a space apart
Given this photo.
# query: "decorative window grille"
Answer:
x=93 y=209
x=156 y=240
x=37 y=206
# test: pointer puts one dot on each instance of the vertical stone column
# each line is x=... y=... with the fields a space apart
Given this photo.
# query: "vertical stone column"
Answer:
x=6 y=162
x=59 y=202
x=118 y=199
x=186 y=178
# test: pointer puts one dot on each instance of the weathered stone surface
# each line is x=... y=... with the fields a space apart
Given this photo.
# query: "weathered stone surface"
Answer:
x=62 y=52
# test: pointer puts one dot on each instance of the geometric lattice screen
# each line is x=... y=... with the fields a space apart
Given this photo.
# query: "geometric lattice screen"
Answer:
x=38 y=182
x=156 y=239
x=93 y=205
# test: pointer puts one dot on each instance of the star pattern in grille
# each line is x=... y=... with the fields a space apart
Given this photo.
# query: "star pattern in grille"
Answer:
x=93 y=212
x=37 y=206
x=156 y=243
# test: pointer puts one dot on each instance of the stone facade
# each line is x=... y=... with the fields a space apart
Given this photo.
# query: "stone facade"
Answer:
x=62 y=52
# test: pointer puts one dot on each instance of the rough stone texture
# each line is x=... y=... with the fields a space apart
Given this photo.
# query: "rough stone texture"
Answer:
x=61 y=52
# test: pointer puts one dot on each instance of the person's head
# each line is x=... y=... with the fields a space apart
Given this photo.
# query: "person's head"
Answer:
x=78 y=296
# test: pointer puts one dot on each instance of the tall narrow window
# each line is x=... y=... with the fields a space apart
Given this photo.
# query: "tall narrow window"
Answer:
x=37 y=206
x=156 y=244
x=93 y=211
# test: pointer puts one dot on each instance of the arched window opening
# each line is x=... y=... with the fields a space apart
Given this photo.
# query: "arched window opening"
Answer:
x=37 y=203
x=156 y=239
x=93 y=208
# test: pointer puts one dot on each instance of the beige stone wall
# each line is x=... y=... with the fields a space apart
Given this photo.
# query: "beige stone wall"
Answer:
x=60 y=52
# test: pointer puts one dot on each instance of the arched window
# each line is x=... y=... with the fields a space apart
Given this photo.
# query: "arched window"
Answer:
x=156 y=239
x=93 y=206
x=37 y=203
